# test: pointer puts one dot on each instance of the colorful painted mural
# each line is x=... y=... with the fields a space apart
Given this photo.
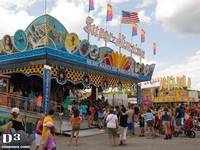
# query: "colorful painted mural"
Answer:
x=6 y=45
x=46 y=31
x=118 y=60
x=71 y=42
x=20 y=40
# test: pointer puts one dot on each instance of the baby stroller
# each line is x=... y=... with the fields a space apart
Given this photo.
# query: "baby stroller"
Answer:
x=196 y=123
x=186 y=129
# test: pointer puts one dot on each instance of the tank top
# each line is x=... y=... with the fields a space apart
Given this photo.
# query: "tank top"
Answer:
x=39 y=128
x=123 y=120
x=165 y=117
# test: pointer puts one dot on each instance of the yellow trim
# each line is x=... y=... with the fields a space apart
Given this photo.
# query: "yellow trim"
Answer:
x=75 y=76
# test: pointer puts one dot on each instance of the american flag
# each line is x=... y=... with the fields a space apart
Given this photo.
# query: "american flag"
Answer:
x=129 y=17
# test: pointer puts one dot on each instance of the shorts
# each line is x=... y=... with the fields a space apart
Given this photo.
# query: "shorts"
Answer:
x=84 y=113
x=101 y=119
x=130 y=126
x=150 y=123
x=89 y=113
x=38 y=139
x=178 y=121
x=141 y=124
x=75 y=127
x=112 y=132
x=182 y=121
x=166 y=123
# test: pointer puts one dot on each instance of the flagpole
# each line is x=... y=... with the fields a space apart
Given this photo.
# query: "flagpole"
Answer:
x=132 y=43
x=88 y=15
x=106 y=30
x=46 y=26
x=88 y=33
x=45 y=7
x=140 y=49
x=154 y=50
x=120 y=31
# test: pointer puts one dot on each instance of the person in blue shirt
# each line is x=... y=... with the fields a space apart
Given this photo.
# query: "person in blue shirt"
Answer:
x=100 y=118
x=84 y=109
x=182 y=114
x=150 y=122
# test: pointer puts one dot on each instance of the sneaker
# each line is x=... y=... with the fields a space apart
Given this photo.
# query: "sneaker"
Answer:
x=120 y=144
x=166 y=137
x=76 y=144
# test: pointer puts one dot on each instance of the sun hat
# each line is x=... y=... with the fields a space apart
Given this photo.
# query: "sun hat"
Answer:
x=15 y=110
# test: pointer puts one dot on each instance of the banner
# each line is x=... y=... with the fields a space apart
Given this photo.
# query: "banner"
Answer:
x=109 y=13
x=91 y=5
x=142 y=36
x=46 y=88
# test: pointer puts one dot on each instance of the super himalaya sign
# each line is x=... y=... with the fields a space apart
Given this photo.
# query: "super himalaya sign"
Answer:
x=119 y=40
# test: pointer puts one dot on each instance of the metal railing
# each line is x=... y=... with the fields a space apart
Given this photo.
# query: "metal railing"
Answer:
x=23 y=103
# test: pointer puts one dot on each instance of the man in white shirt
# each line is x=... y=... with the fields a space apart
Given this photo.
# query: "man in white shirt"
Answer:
x=112 y=125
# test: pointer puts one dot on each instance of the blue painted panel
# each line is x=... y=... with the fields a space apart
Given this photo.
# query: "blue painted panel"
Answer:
x=25 y=54
x=75 y=59
x=46 y=89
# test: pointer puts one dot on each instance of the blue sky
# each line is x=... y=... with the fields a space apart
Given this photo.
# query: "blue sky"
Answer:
x=172 y=24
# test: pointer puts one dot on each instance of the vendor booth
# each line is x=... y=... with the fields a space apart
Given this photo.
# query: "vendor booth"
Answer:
x=46 y=60
x=169 y=90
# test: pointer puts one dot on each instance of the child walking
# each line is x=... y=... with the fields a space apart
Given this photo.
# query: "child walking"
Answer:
x=142 y=123
x=76 y=122
x=51 y=143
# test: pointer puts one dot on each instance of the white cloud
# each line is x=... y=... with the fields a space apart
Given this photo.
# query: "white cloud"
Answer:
x=71 y=15
x=12 y=21
x=119 y=1
x=115 y=21
x=143 y=17
x=145 y=3
x=180 y=16
x=190 y=68
x=16 y=4
x=78 y=13
x=14 y=15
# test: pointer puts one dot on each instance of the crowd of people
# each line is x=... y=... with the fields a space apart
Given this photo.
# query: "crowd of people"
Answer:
x=118 y=122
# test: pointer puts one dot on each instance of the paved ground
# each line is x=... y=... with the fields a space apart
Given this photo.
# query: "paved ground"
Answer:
x=100 y=142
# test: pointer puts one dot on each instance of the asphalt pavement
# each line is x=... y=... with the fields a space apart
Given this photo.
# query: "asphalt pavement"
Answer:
x=101 y=142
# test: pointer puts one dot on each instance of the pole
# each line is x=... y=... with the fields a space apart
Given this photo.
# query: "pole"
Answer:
x=106 y=30
x=88 y=15
x=132 y=43
x=45 y=7
x=139 y=92
x=120 y=31
x=140 y=49
x=46 y=23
